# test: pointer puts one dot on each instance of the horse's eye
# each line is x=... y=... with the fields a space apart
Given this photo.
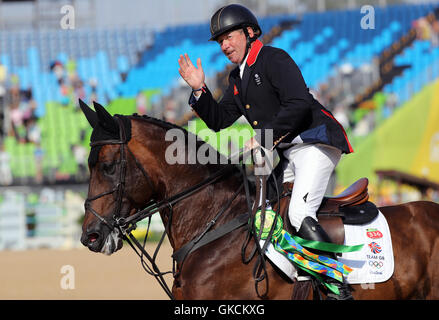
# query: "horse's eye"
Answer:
x=109 y=168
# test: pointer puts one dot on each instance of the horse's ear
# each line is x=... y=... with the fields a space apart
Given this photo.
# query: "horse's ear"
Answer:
x=105 y=119
x=89 y=113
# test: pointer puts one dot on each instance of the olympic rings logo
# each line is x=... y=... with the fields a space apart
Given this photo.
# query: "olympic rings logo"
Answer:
x=376 y=264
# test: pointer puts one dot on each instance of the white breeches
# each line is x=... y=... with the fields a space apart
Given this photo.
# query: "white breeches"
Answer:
x=310 y=167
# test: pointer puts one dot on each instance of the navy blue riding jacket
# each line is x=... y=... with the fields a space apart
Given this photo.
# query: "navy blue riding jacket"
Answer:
x=272 y=94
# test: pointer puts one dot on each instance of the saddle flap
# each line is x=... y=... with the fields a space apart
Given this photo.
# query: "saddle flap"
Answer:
x=359 y=214
x=334 y=227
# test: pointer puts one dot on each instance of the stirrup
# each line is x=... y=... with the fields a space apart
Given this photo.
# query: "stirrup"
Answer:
x=312 y=230
x=343 y=288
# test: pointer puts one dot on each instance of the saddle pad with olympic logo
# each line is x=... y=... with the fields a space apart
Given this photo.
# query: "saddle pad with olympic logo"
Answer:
x=374 y=263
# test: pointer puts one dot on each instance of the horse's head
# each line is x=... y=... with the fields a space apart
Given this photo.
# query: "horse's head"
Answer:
x=118 y=184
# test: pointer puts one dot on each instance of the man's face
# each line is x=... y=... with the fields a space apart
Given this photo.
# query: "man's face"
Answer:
x=233 y=45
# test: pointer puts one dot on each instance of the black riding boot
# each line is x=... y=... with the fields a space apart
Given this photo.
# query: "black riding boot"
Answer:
x=312 y=230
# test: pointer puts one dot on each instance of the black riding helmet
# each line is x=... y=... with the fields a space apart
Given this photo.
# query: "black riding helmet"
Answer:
x=232 y=17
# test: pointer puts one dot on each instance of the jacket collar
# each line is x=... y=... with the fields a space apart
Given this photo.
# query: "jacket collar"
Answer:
x=254 y=52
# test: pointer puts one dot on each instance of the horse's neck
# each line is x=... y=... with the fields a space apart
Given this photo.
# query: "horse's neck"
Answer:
x=189 y=216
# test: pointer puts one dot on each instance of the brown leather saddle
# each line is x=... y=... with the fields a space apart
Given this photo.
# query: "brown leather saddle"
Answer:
x=336 y=211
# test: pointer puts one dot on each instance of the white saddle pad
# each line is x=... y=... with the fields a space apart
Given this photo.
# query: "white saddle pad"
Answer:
x=374 y=263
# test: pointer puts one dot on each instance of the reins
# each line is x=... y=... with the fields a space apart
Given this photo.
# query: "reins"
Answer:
x=127 y=225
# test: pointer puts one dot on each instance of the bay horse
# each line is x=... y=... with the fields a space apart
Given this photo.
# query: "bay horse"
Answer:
x=128 y=169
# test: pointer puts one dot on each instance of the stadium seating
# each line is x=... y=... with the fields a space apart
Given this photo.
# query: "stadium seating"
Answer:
x=99 y=54
x=325 y=40
x=128 y=61
x=423 y=61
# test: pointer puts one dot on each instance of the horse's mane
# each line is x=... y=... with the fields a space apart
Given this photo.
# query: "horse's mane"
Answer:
x=168 y=126
x=161 y=123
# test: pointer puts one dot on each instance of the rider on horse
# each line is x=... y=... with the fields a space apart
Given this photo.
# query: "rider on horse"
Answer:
x=267 y=87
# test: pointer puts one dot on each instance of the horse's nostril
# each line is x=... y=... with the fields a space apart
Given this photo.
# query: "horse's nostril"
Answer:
x=93 y=237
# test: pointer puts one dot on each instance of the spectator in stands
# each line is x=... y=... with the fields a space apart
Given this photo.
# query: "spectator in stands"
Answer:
x=3 y=73
x=27 y=104
x=58 y=69
x=38 y=158
x=17 y=122
x=14 y=101
x=78 y=91
x=390 y=104
x=341 y=115
x=423 y=29
x=268 y=89
x=435 y=33
x=71 y=86
x=71 y=71
x=66 y=92
x=93 y=85
x=323 y=93
x=170 y=114
x=365 y=125
x=33 y=131
x=80 y=154
x=141 y=103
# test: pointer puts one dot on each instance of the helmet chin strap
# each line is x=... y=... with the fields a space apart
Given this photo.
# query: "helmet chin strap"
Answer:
x=249 y=39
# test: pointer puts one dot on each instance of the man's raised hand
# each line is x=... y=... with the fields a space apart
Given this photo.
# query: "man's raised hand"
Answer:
x=193 y=76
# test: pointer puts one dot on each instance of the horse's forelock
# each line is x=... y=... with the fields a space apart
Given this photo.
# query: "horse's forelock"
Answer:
x=101 y=133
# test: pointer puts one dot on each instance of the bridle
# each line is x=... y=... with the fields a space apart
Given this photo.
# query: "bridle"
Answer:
x=119 y=188
x=127 y=224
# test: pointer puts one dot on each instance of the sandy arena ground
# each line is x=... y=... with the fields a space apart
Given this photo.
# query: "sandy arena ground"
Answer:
x=37 y=274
